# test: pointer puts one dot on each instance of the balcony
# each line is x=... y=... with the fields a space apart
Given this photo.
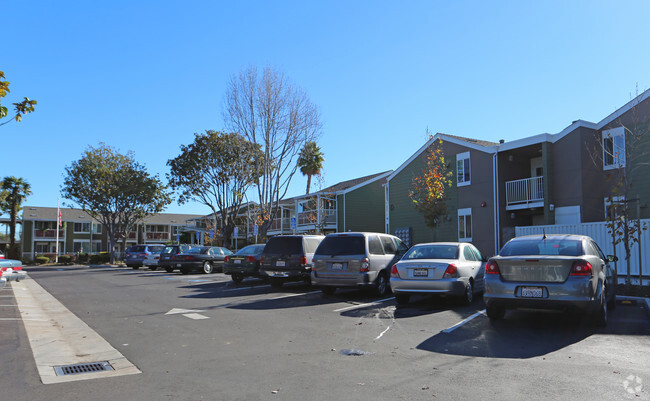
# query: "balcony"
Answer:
x=524 y=194
x=309 y=219
x=157 y=236
x=51 y=233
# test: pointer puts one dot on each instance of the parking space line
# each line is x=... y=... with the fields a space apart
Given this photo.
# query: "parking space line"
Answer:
x=296 y=295
x=457 y=325
x=246 y=288
x=362 y=305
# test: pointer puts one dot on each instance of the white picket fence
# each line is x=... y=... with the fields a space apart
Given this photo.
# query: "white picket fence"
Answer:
x=598 y=231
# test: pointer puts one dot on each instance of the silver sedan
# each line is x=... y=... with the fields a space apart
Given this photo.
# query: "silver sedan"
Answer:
x=550 y=272
x=442 y=268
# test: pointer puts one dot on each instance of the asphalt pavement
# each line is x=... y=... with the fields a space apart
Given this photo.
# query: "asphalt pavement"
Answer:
x=202 y=337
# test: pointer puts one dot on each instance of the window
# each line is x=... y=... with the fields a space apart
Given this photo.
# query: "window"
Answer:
x=97 y=228
x=155 y=228
x=389 y=245
x=469 y=255
x=81 y=227
x=614 y=206
x=374 y=246
x=463 y=170
x=614 y=148
x=97 y=246
x=81 y=246
x=465 y=224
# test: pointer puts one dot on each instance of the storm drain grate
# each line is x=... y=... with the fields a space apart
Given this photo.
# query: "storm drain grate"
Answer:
x=82 y=368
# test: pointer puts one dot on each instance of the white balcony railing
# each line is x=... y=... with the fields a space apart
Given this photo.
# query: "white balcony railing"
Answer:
x=527 y=192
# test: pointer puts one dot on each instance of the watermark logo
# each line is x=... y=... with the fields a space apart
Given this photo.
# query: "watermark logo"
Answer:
x=633 y=384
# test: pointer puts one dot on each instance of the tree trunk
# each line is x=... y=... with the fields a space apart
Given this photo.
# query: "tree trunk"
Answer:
x=308 y=183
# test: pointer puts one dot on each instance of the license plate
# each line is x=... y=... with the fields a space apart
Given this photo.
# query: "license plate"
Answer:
x=237 y=261
x=531 y=292
x=420 y=272
x=178 y=265
x=337 y=266
x=279 y=263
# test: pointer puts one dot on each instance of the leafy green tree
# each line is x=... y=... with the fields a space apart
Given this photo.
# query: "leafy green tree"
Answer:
x=21 y=108
x=428 y=189
x=310 y=161
x=216 y=170
x=115 y=190
x=270 y=111
x=14 y=192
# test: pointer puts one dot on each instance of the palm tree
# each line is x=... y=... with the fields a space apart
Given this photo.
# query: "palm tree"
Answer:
x=310 y=161
x=14 y=192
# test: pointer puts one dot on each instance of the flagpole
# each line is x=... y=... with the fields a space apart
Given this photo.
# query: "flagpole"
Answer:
x=58 y=223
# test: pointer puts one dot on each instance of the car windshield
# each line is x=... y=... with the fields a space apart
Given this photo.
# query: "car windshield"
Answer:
x=342 y=245
x=198 y=249
x=539 y=246
x=432 y=252
x=156 y=249
x=168 y=249
x=284 y=245
x=136 y=248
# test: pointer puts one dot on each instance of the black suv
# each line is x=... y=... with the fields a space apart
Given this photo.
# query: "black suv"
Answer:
x=288 y=258
x=166 y=256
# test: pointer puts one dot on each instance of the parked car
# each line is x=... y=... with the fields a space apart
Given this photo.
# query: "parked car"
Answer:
x=2 y=255
x=568 y=272
x=152 y=261
x=166 y=256
x=441 y=268
x=356 y=259
x=3 y=281
x=12 y=270
x=288 y=258
x=244 y=263
x=207 y=259
x=135 y=255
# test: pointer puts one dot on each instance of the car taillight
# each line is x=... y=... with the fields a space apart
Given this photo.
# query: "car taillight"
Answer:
x=142 y=254
x=491 y=267
x=173 y=257
x=451 y=271
x=303 y=261
x=365 y=265
x=189 y=258
x=581 y=268
x=251 y=259
x=394 y=272
x=261 y=260
x=18 y=268
x=226 y=259
x=4 y=269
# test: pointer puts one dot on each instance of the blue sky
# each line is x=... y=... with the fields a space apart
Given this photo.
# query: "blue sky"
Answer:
x=144 y=76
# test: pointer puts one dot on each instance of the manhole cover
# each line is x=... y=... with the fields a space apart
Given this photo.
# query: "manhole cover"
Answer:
x=82 y=368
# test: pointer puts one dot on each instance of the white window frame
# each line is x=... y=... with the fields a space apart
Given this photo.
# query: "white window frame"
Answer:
x=461 y=169
x=97 y=228
x=462 y=214
x=617 y=138
x=608 y=203
x=82 y=242
x=83 y=223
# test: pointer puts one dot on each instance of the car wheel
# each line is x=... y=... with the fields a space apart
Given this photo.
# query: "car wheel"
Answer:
x=207 y=267
x=601 y=316
x=381 y=285
x=612 y=302
x=275 y=282
x=307 y=281
x=496 y=312
x=468 y=297
x=237 y=277
x=169 y=269
x=402 y=299
x=184 y=270
x=135 y=267
x=328 y=290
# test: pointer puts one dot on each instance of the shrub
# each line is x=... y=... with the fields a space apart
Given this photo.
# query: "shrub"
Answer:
x=66 y=259
x=41 y=260
x=82 y=258
x=100 y=258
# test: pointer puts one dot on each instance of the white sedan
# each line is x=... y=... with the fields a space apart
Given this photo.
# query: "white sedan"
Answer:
x=440 y=268
x=12 y=270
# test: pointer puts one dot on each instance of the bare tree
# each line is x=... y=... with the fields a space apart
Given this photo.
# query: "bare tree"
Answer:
x=622 y=149
x=270 y=111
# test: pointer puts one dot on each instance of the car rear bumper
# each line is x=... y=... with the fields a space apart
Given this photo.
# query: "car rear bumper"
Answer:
x=444 y=286
x=287 y=273
x=14 y=276
x=336 y=280
x=242 y=269
x=575 y=293
x=3 y=282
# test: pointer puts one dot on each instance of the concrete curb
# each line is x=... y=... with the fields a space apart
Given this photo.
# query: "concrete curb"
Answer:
x=644 y=301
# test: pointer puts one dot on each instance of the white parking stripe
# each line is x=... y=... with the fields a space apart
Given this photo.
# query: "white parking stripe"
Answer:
x=457 y=325
x=297 y=295
x=246 y=288
x=382 y=333
x=362 y=305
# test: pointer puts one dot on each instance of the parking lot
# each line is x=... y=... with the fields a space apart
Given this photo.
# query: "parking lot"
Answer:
x=202 y=337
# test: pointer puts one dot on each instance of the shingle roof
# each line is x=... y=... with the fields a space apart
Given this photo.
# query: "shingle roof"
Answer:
x=479 y=142
x=69 y=214
x=342 y=186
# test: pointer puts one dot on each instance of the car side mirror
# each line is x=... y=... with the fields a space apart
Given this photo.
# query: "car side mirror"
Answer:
x=612 y=258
